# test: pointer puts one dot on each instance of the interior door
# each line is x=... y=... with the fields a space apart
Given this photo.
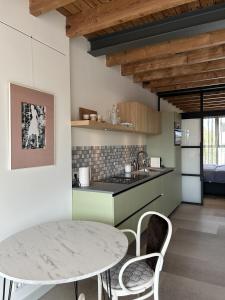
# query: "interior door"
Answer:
x=191 y=160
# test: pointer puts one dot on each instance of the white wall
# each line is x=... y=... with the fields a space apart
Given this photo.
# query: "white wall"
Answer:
x=95 y=86
x=34 y=195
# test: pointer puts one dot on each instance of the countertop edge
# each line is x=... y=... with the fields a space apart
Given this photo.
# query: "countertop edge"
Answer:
x=126 y=187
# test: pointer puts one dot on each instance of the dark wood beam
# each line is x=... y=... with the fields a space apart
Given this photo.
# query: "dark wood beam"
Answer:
x=167 y=48
x=211 y=95
x=188 y=58
x=116 y=12
x=198 y=104
x=182 y=102
x=188 y=78
x=182 y=86
x=181 y=71
x=38 y=7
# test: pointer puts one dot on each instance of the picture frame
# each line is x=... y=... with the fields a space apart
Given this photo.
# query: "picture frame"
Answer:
x=177 y=134
x=32 y=127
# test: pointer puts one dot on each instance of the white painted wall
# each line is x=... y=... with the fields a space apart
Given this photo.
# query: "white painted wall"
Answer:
x=35 y=195
x=95 y=86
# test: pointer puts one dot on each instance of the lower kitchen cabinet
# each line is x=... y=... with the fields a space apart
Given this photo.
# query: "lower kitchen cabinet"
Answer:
x=162 y=194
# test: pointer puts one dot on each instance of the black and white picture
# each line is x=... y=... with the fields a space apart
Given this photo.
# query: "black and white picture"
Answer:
x=33 y=126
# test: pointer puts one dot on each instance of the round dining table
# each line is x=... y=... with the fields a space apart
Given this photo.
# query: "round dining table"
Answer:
x=60 y=252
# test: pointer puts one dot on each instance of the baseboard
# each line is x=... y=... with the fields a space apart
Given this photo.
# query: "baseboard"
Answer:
x=192 y=203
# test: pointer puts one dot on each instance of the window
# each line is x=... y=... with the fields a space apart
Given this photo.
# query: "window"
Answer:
x=214 y=141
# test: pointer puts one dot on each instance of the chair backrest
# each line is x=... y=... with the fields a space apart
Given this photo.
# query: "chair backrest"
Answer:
x=159 y=232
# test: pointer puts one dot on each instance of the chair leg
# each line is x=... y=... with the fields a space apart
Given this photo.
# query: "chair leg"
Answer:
x=156 y=290
x=81 y=297
x=99 y=287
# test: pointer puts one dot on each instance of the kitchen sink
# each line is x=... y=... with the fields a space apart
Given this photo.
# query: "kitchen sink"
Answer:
x=126 y=178
x=149 y=169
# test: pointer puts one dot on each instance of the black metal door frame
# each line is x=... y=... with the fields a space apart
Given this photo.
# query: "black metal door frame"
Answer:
x=200 y=147
x=193 y=115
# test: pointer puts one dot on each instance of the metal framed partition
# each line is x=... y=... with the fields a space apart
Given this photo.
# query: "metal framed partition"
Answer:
x=192 y=147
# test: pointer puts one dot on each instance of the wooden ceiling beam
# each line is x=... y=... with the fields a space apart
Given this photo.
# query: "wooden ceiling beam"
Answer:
x=188 y=58
x=198 y=104
x=184 y=107
x=116 y=12
x=190 y=109
x=214 y=108
x=194 y=96
x=154 y=64
x=207 y=97
x=172 y=47
x=38 y=7
x=188 y=78
x=181 y=71
x=182 y=102
x=187 y=85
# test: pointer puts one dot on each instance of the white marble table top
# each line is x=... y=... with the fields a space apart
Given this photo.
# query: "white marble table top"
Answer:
x=61 y=252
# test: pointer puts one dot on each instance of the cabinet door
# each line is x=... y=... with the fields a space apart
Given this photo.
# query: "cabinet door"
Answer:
x=172 y=192
x=128 y=112
x=142 y=118
x=154 y=122
x=128 y=203
x=136 y=113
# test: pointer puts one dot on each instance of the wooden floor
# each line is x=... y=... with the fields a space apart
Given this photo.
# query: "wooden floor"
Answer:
x=195 y=263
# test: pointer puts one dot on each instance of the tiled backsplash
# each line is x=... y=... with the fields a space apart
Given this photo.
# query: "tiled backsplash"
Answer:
x=104 y=161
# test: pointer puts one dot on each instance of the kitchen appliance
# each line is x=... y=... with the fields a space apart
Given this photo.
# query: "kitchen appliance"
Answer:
x=84 y=176
x=155 y=162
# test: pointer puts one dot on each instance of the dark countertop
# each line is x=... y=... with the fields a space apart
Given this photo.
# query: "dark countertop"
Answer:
x=117 y=188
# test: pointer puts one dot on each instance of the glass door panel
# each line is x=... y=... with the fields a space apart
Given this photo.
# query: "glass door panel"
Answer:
x=191 y=189
x=191 y=132
x=191 y=161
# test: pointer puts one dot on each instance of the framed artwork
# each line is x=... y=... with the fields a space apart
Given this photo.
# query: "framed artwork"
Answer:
x=177 y=134
x=32 y=127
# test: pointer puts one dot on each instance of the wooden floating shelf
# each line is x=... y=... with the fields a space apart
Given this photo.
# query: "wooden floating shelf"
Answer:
x=101 y=126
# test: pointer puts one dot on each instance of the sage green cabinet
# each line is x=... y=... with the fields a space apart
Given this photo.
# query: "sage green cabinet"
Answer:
x=129 y=205
x=93 y=206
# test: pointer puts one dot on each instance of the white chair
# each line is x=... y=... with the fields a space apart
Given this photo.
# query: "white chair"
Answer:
x=140 y=274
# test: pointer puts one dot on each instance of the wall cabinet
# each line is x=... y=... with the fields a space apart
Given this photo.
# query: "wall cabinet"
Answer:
x=146 y=119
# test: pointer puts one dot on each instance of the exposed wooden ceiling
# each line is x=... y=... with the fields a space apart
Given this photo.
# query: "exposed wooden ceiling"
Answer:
x=191 y=103
x=173 y=65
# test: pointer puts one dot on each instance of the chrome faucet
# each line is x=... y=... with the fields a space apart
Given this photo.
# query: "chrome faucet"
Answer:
x=146 y=156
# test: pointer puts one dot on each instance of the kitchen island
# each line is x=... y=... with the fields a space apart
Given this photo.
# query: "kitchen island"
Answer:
x=121 y=205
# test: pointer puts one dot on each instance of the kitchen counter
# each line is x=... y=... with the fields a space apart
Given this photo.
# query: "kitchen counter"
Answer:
x=118 y=188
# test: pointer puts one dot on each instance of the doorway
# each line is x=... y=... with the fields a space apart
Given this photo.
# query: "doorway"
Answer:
x=203 y=142
x=214 y=156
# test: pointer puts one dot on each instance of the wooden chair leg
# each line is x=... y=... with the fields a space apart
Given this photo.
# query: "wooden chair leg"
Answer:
x=81 y=297
x=99 y=287
x=156 y=290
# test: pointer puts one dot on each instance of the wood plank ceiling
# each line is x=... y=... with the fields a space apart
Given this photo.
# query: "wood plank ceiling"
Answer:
x=173 y=65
